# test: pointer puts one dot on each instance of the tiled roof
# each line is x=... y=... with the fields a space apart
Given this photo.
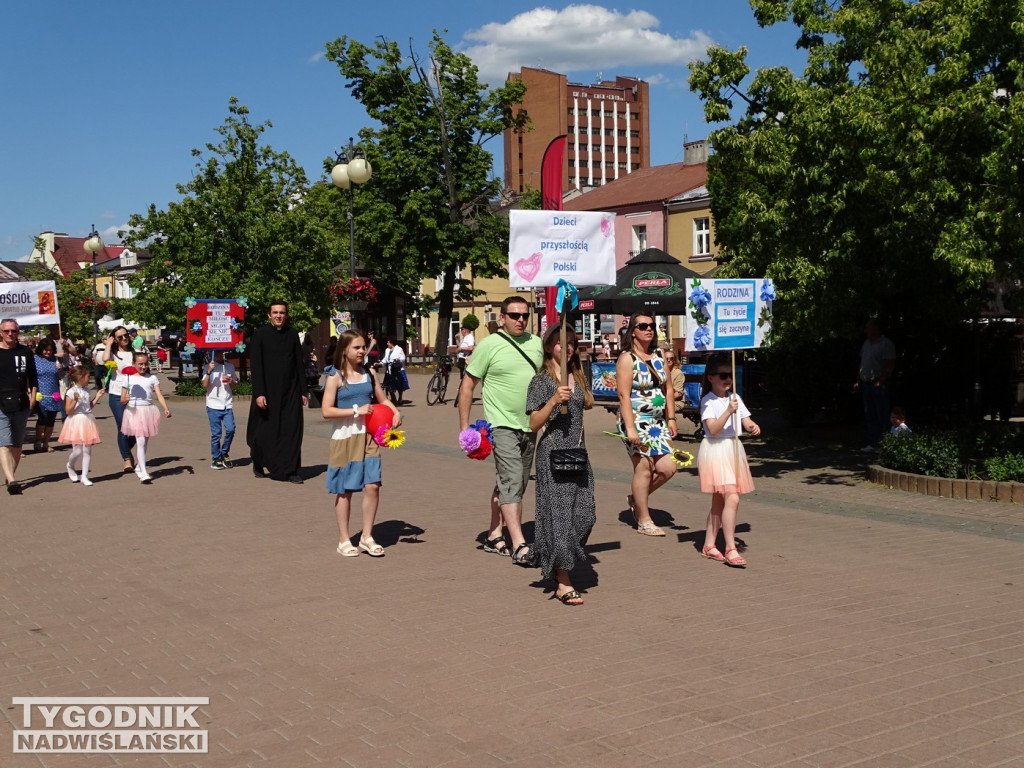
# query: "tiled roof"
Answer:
x=645 y=185
x=70 y=255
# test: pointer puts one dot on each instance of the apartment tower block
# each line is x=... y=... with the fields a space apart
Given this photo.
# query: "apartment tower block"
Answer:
x=607 y=125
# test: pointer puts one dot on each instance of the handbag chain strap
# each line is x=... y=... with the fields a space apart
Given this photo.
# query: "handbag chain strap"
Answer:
x=517 y=349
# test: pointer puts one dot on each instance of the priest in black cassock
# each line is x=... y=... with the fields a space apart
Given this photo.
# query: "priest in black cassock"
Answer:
x=278 y=399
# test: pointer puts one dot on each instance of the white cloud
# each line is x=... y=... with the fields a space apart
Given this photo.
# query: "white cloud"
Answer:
x=110 y=236
x=320 y=56
x=579 y=38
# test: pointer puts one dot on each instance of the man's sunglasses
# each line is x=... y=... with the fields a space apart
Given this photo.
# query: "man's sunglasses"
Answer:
x=9 y=330
x=722 y=374
x=644 y=326
x=518 y=315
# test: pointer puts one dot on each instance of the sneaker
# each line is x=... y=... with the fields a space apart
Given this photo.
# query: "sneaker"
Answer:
x=217 y=464
x=226 y=461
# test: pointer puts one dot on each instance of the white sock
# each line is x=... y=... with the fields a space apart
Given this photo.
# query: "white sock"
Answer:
x=140 y=456
x=86 y=461
x=76 y=451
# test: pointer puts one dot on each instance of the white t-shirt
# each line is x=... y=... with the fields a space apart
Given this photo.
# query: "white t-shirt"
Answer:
x=712 y=406
x=466 y=344
x=123 y=360
x=873 y=357
x=142 y=387
x=394 y=354
x=218 y=386
x=84 y=403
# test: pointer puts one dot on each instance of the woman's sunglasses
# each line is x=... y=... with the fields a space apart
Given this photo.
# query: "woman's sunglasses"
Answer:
x=644 y=326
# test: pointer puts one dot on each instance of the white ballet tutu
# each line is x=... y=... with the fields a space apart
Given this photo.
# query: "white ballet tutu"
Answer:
x=716 y=466
x=79 y=429
x=141 y=421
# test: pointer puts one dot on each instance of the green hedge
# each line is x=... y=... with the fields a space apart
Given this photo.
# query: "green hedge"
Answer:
x=990 y=452
x=195 y=388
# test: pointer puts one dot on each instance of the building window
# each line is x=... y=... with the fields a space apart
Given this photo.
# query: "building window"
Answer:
x=639 y=237
x=702 y=236
x=106 y=290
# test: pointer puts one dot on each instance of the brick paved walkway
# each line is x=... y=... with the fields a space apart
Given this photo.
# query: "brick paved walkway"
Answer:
x=872 y=628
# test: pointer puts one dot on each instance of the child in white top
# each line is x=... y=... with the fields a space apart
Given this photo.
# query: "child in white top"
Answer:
x=218 y=378
x=898 y=419
x=722 y=467
x=141 y=419
x=80 y=425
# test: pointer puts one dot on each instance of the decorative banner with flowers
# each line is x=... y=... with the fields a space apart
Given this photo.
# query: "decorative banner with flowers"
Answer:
x=214 y=323
x=353 y=292
x=729 y=314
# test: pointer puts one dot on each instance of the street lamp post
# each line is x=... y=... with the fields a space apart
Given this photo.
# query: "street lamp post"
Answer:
x=351 y=167
x=94 y=245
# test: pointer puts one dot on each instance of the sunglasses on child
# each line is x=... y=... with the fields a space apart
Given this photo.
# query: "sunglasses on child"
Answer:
x=722 y=374
x=644 y=326
x=518 y=315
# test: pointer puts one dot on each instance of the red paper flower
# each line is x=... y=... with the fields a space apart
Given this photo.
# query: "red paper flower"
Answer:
x=129 y=370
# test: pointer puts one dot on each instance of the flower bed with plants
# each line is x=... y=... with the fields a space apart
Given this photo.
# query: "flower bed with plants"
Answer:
x=977 y=462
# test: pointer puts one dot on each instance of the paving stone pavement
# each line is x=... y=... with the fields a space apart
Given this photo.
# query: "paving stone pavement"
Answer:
x=872 y=628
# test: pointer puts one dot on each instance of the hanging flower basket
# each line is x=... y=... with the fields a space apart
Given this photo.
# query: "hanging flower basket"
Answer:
x=353 y=294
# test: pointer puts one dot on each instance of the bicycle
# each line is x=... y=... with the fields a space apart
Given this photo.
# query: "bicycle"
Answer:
x=437 y=388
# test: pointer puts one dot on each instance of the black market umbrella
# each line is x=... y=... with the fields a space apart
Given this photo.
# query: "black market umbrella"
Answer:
x=651 y=282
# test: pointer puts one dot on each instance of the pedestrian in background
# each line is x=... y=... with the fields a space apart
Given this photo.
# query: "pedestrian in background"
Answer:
x=877 y=364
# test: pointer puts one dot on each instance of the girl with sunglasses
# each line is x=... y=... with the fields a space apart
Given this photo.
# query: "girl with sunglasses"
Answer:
x=119 y=350
x=723 y=468
x=645 y=397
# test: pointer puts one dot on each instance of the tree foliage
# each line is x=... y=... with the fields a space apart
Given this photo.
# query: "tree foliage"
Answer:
x=885 y=180
x=247 y=224
x=428 y=209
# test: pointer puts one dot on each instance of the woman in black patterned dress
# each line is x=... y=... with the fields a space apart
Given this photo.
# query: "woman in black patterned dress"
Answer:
x=566 y=510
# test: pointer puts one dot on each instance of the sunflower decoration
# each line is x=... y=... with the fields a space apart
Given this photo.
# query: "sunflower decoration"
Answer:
x=682 y=458
x=111 y=366
x=389 y=437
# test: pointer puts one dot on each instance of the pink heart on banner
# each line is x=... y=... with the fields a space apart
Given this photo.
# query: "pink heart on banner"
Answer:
x=606 y=227
x=528 y=268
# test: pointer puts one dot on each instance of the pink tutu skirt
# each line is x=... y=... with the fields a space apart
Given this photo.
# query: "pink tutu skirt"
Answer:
x=79 y=429
x=717 y=467
x=141 y=421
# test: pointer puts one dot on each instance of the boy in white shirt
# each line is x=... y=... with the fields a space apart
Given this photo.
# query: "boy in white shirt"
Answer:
x=218 y=378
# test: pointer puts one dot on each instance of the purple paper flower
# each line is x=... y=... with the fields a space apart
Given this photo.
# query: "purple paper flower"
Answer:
x=469 y=439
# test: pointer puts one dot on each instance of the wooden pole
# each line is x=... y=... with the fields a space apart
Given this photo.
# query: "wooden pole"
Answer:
x=736 y=423
x=564 y=361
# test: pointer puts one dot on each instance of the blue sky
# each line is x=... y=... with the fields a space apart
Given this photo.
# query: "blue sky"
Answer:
x=104 y=101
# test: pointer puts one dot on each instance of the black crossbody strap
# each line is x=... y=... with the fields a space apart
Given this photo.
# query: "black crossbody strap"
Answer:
x=517 y=349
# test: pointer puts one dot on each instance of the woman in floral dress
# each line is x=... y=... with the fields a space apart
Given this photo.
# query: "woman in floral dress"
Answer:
x=645 y=396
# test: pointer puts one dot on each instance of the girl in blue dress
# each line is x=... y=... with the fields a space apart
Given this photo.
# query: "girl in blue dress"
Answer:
x=350 y=395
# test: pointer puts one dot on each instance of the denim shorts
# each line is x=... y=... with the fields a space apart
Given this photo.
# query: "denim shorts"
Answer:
x=12 y=428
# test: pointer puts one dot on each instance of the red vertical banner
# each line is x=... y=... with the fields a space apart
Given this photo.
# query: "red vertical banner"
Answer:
x=551 y=171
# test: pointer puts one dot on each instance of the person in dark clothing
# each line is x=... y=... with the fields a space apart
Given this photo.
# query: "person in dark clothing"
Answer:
x=279 y=395
x=18 y=386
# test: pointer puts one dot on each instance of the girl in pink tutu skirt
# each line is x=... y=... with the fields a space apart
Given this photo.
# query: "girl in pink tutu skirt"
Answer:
x=141 y=418
x=80 y=425
x=723 y=469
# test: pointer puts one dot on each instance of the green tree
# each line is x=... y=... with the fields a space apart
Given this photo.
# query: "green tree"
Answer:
x=429 y=209
x=74 y=299
x=247 y=224
x=885 y=180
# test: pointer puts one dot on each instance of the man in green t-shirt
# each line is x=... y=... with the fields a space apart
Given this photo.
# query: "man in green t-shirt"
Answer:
x=506 y=362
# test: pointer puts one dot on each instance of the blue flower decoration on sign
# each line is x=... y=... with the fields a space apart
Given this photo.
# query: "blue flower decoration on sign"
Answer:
x=767 y=290
x=702 y=337
x=189 y=349
x=190 y=302
x=243 y=302
x=235 y=325
x=240 y=346
x=197 y=327
x=700 y=297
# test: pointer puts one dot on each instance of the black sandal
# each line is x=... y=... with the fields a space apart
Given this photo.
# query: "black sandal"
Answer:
x=491 y=545
x=519 y=559
x=572 y=595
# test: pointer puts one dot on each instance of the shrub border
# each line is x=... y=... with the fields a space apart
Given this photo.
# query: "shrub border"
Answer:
x=947 y=487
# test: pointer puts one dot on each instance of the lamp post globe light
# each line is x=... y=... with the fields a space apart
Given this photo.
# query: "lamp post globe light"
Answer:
x=351 y=167
x=93 y=245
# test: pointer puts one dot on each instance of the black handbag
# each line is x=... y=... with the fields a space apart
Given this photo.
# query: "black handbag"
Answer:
x=568 y=462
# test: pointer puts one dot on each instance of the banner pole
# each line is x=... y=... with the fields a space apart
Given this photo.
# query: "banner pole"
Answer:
x=736 y=424
x=564 y=362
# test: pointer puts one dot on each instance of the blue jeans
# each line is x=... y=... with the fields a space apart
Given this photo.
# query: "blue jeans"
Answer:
x=220 y=419
x=125 y=443
x=876 y=410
